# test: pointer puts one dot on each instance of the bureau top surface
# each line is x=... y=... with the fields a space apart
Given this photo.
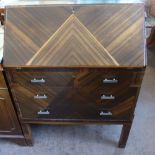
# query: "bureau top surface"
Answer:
x=4 y=3
x=75 y=36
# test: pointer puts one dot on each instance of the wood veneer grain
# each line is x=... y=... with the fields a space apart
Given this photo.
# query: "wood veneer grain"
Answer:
x=92 y=35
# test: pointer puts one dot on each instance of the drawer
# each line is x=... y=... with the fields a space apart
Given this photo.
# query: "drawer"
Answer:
x=62 y=102
x=2 y=81
x=109 y=96
x=76 y=78
x=75 y=93
x=75 y=103
x=33 y=79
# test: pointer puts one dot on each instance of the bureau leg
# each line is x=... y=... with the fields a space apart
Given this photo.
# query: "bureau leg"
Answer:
x=27 y=134
x=124 y=135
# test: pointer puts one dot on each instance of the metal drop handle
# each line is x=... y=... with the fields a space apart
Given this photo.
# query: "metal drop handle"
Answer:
x=43 y=112
x=105 y=113
x=107 y=97
x=40 y=96
x=38 y=80
x=110 y=80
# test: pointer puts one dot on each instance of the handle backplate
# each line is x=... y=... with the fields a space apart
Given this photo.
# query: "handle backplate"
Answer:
x=43 y=112
x=106 y=80
x=102 y=113
x=42 y=80
x=107 y=97
x=40 y=96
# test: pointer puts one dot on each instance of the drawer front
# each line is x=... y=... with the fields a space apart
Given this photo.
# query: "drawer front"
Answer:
x=2 y=81
x=34 y=79
x=90 y=94
x=60 y=102
x=77 y=78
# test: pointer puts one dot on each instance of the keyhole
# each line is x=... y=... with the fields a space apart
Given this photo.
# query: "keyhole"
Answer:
x=73 y=10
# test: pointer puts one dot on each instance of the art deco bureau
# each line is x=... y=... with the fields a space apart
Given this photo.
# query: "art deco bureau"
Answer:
x=75 y=63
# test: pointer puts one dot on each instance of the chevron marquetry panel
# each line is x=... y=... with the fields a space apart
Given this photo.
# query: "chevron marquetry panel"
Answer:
x=72 y=45
x=74 y=94
x=92 y=35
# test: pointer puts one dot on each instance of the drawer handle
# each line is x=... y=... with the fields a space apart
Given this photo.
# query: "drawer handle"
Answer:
x=40 y=96
x=38 y=80
x=43 y=112
x=105 y=113
x=110 y=80
x=107 y=97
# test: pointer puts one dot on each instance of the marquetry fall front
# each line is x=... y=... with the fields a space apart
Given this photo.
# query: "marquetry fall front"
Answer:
x=75 y=63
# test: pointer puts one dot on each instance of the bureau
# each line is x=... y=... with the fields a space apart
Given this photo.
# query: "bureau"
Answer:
x=75 y=63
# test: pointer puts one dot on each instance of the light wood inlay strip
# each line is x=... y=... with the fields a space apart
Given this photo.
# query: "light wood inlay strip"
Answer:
x=46 y=43
x=71 y=20
x=97 y=42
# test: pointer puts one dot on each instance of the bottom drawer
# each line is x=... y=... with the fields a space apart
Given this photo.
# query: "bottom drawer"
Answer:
x=72 y=103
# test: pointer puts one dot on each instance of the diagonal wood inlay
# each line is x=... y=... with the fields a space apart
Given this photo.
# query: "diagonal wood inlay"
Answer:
x=95 y=35
x=75 y=41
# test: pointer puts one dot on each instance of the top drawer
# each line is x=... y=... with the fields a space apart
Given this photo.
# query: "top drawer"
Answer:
x=84 y=78
x=2 y=81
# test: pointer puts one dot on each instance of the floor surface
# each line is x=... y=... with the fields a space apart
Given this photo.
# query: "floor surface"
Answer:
x=97 y=139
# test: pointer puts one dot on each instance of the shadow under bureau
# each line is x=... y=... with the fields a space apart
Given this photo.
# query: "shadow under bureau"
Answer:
x=75 y=63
